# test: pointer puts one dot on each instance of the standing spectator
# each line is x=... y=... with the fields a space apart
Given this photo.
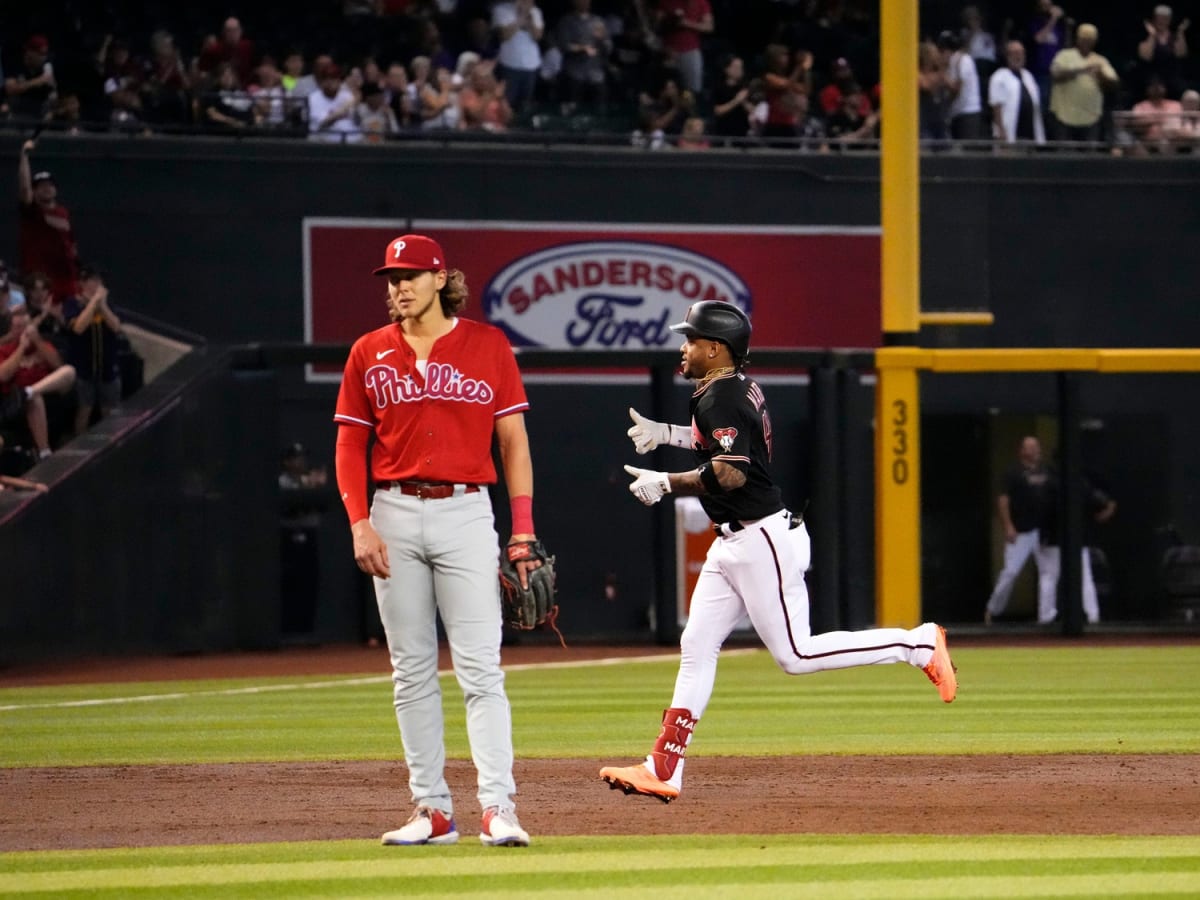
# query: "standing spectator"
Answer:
x=93 y=331
x=1024 y=505
x=787 y=78
x=585 y=45
x=231 y=47
x=375 y=118
x=428 y=536
x=962 y=81
x=976 y=39
x=396 y=96
x=47 y=240
x=32 y=90
x=331 y=109
x=681 y=25
x=30 y=370
x=731 y=100
x=1014 y=99
x=165 y=83
x=519 y=25
x=482 y=101
x=1160 y=52
x=1047 y=34
x=1081 y=77
x=934 y=101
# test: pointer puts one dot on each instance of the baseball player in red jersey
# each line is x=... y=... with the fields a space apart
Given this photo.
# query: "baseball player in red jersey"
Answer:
x=433 y=389
x=757 y=562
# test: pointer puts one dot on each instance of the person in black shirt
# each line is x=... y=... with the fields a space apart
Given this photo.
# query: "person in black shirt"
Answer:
x=757 y=564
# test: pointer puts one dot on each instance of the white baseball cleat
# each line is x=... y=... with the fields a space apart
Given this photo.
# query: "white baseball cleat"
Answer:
x=425 y=826
x=500 y=828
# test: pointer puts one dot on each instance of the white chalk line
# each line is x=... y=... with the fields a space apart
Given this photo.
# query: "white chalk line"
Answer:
x=340 y=682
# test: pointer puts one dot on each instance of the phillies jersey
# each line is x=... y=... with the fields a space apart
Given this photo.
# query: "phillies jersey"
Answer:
x=730 y=423
x=437 y=426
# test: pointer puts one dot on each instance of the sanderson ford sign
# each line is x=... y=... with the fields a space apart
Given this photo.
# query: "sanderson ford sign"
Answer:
x=605 y=294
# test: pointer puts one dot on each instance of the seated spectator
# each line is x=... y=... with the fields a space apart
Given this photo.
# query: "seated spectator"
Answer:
x=483 y=101
x=66 y=116
x=1156 y=117
x=30 y=369
x=270 y=98
x=331 y=109
x=848 y=127
x=293 y=70
x=122 y=80
x=582 y=38
x=226 y=107
x=841 y=81
x=47 y=309
x=375 y=118
x=165 y=83
x=93 y=331
x=308 y=83
x=692 y=137
x=15 y=483
x=662 y=113
x=11 y=296
x=1186 y=137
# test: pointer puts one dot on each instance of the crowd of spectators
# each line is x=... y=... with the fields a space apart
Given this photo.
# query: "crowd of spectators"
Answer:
x=669 y=73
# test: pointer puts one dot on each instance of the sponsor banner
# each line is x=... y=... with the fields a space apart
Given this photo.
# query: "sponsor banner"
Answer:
x=611 y=287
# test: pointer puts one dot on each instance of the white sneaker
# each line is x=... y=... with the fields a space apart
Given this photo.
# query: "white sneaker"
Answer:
x=500 y=828
x=425 y=826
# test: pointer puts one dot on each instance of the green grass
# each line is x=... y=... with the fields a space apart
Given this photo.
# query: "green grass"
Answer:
x=674 y=867
x=1096 y=700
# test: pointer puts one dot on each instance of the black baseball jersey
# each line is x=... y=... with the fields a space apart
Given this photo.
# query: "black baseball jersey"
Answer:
x=730 y=422
x=1030 y=493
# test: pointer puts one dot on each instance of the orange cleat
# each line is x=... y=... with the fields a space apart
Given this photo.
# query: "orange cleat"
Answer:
x=638 y=780
x=941 y=669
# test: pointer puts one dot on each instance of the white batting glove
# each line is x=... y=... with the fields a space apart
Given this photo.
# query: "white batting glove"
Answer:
x=647 y=434
x=648 y=486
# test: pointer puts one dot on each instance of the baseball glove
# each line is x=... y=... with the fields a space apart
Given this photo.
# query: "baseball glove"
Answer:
x=526 y=608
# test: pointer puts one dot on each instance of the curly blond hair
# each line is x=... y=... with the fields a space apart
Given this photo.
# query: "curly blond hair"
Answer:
x=454 y=295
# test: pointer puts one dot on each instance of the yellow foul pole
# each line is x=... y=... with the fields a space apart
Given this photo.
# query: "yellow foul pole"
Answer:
x=897 y=414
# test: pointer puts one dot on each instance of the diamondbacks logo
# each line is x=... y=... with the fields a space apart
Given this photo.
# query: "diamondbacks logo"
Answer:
x=725 y=437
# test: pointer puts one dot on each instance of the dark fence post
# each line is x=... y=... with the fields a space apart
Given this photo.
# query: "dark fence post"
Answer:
x=825 y=510
x=1070 y=507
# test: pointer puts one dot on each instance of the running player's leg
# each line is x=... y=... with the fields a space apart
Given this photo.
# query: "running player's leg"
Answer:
x=407 y=611
x=764 y=566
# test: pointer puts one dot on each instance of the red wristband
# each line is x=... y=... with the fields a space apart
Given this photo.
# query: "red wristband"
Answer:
x=522 y=514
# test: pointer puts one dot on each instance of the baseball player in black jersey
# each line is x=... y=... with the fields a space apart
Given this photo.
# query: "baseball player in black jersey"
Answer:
x=757 y=562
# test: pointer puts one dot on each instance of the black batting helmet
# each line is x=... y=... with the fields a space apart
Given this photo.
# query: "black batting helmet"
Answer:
x=716 y=320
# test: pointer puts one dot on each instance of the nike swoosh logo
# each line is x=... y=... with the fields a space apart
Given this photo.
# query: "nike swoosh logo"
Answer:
x=382 y=353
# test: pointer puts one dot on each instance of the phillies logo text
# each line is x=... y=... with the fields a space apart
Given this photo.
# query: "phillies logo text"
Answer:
x=442 y=382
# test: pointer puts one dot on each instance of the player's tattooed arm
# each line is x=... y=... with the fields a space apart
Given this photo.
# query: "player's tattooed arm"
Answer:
x=715 y=477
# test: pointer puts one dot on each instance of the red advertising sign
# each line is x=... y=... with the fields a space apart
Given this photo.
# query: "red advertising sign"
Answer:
x=610 y=287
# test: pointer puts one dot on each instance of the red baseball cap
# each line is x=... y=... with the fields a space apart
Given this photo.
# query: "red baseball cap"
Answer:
x=412 y=251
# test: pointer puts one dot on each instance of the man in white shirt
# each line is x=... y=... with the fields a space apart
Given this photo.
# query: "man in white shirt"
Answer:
x=519 y=25
x=331 y=109
x=1015 y=99
x=962 y=79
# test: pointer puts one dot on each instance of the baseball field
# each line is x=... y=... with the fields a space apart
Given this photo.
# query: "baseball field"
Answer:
x=1064 y=768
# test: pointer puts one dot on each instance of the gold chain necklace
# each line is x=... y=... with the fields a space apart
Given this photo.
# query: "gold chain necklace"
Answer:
x=712 y=374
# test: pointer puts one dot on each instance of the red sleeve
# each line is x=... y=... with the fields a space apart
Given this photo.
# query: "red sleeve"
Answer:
x=350 y=464
x=510 y=392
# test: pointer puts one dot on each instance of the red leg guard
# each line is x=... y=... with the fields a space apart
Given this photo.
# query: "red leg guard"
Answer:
x=672 y=742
